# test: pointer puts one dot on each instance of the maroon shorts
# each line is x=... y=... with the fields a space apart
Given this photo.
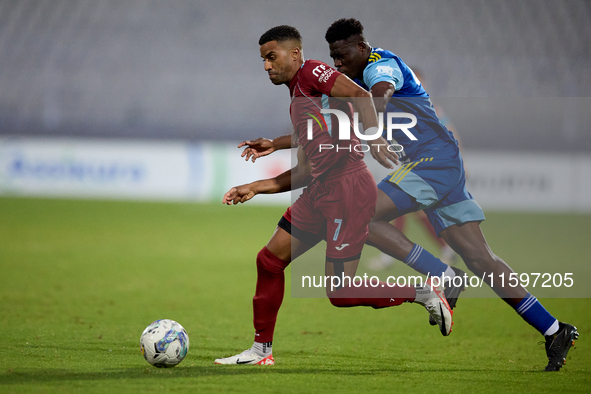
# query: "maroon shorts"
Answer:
x=338 y=209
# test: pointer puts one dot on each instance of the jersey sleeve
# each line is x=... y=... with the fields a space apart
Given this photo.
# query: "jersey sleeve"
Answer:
x=384 y=70
x=318 y=77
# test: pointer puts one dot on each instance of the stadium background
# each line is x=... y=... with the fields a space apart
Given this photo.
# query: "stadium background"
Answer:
x=146 y=100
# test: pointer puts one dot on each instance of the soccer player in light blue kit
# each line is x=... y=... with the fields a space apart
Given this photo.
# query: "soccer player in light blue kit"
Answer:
x=432 y=180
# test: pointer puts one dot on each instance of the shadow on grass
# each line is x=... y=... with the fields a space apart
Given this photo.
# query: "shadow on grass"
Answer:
x=61 y=375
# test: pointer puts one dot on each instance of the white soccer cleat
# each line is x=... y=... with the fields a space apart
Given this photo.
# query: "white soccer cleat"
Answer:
x=247 y=357
x=439 y=308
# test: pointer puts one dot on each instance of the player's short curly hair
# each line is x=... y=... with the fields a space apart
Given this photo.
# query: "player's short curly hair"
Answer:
x=343 y=29
x=280 y=33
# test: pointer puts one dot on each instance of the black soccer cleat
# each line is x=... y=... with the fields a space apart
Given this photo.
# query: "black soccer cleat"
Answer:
x=452 y=292
x=558 y=345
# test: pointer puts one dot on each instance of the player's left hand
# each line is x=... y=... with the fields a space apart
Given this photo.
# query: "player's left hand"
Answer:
x=238 y=194
x=379 y=151
x=256 y=148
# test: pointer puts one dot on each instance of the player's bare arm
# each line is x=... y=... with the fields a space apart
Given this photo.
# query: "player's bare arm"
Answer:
x=345 y=87
x=297 y=177
x=382 y=93
x=264 y=146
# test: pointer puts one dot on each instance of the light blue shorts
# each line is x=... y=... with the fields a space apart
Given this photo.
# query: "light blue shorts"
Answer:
x=434 y=182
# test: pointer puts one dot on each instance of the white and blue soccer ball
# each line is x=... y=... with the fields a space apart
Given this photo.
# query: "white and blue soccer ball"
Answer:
x=164 y=343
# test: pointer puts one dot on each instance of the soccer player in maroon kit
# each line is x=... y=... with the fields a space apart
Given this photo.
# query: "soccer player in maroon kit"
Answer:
x=337 y=204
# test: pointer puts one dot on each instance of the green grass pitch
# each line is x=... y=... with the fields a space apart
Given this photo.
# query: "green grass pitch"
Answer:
x=80 y=280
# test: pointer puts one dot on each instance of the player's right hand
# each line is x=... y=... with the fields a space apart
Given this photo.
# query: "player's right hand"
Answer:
x=256 y=148
x=238 y=194
x=379 y=151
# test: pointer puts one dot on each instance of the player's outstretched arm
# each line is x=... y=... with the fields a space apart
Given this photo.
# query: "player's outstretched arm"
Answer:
x=263 y=146
x=297 y=177
x=382 y=93
x=344 y=87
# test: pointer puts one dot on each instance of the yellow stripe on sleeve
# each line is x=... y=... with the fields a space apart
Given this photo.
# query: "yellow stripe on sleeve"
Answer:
x=395 y=173
x=394 y=179
x=403 y=175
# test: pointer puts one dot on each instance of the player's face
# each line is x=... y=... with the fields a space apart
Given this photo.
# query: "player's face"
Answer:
x=279 y=61
x=349 y=57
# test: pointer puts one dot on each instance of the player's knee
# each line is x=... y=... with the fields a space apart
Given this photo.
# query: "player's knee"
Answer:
x=338 y=298
x=480 y=261
x=372 y=228
x=269 y=262
x=338 y=302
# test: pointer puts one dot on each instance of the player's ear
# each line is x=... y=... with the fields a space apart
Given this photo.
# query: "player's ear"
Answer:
x=295 y=53
x=362 y=46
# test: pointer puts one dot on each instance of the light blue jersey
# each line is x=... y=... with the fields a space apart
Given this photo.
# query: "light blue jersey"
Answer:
x=432 y=176
x=410 y=97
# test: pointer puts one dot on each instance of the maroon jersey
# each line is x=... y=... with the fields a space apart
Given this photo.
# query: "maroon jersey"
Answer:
x=310 y=90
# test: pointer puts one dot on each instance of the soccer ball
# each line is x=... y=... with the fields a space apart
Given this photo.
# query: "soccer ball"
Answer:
x=164 y=343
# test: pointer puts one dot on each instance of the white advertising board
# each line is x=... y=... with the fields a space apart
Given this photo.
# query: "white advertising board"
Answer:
x=168 y=170
x=126 y=169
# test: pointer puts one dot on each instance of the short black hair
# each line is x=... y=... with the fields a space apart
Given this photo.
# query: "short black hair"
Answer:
x=280 y=33
x=343 y=29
